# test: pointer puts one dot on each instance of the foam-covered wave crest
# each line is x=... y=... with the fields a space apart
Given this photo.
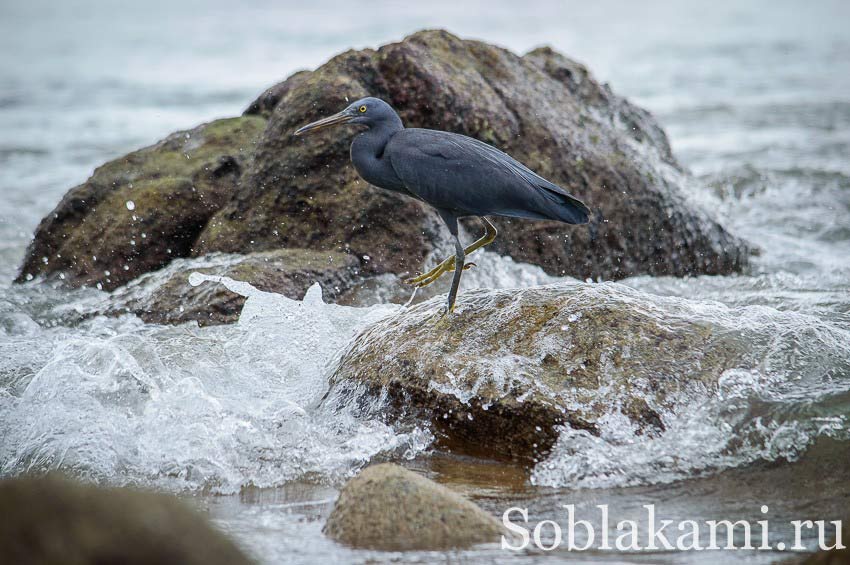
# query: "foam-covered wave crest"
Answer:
x=189 y=408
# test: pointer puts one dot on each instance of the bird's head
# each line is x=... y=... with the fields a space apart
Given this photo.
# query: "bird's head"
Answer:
x=370 y=112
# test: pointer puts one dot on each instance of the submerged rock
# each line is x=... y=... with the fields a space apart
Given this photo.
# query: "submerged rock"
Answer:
x=166 y=297
x=502 y=374
x=218 y=189
x=139 y=212
x=51 y=520
x=387 y=507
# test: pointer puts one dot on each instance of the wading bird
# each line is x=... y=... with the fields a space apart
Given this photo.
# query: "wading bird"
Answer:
x=457 y=175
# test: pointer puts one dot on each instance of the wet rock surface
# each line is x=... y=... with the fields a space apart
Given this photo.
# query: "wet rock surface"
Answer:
x=510 y=367
x=167 y=297
x=246 y=184
x=139 y=212
x=390 y=508
x=52 y=520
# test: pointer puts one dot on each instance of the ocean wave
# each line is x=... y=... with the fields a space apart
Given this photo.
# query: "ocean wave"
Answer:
x=183 y=408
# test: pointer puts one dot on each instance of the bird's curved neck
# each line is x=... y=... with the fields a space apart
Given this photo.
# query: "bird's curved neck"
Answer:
x=376 y=137
x=367 y=154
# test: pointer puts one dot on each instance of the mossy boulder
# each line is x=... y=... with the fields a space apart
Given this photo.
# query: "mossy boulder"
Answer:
x=387 y=507
x=510 y=367
x=52 y=520
x=139 y=212
x=543 y=108
x=166 y=297
x=245 y=184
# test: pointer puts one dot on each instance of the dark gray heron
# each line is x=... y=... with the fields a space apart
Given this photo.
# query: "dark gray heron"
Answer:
x=457 y=175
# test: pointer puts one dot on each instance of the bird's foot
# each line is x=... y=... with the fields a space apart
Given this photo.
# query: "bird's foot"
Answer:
x=431 y=276
x=445 y=266
x=449 y=309
x=442 y=318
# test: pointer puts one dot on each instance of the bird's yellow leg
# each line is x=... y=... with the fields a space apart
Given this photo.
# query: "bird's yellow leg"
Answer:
x=445 y=266
x=490 y=234
x=448 y=264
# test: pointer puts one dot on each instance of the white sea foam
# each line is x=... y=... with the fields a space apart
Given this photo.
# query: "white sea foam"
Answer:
x=196 y=408
x=789 y=389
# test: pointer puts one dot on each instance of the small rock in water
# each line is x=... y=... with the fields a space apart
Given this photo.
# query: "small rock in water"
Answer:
x=389 y=508
x=168 y=299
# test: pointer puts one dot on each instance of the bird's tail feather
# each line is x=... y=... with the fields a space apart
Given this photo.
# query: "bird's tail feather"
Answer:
x=564 y=207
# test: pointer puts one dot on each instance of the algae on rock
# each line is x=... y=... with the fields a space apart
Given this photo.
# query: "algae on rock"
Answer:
x=139 y=212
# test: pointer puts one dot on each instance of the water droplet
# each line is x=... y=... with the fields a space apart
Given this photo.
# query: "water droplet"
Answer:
x=196 y=279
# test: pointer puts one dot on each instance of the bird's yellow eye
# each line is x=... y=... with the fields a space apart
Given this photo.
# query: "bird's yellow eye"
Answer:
x=362 y=109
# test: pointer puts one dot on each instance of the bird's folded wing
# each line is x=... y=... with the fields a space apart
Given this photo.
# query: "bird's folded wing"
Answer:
x=467 y=176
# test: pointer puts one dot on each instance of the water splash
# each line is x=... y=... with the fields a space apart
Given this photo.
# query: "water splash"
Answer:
x=196 y=408
x=790 y=389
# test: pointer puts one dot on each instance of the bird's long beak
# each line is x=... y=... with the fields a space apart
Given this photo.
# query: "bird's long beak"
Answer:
x=339 y=118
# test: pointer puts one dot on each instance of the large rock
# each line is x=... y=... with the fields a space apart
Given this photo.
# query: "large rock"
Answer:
x=509 y=367
x=167 y=297
x=387 y=507
x=51 y=520
x=201 y=191
x=139 y=212
x=543 y=108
